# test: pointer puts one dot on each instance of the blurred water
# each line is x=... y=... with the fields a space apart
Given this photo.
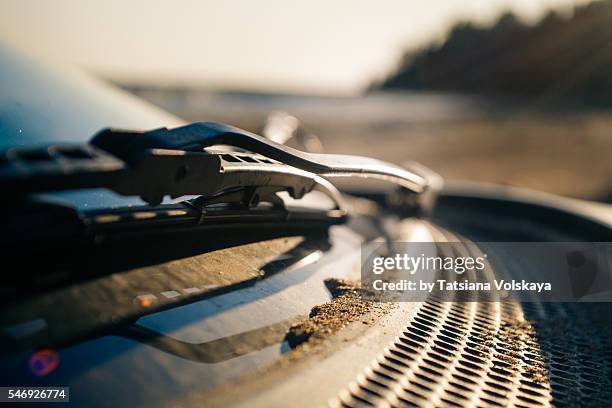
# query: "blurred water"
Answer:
x=376 y=107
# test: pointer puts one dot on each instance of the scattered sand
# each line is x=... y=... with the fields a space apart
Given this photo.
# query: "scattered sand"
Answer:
x=346 y=306
x=513 y=336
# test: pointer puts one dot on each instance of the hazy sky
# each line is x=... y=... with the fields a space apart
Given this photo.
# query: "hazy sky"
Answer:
x=330 y=46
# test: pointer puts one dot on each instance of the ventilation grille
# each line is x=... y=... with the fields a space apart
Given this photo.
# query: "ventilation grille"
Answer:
x=500 y=354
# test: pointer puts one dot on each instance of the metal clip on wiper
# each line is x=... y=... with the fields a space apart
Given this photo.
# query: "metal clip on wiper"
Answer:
x=419 y=182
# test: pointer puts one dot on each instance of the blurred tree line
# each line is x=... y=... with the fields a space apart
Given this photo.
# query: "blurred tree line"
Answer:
x=558 y=56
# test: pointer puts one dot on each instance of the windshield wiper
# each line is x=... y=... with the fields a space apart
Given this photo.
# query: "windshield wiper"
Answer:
x=232 y=189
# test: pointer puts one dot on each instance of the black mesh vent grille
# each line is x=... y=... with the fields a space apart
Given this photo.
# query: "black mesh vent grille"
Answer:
x=456 y=354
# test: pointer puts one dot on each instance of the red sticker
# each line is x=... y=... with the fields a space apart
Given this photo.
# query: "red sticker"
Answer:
x=43 y=362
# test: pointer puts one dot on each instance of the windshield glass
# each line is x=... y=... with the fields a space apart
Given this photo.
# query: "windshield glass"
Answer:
x=42 y=104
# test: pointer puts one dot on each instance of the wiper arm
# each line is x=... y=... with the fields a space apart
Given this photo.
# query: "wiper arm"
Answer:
x=173 y=162
x=197 y=136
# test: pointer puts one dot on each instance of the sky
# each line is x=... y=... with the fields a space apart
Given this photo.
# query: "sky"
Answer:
x=313 y=46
